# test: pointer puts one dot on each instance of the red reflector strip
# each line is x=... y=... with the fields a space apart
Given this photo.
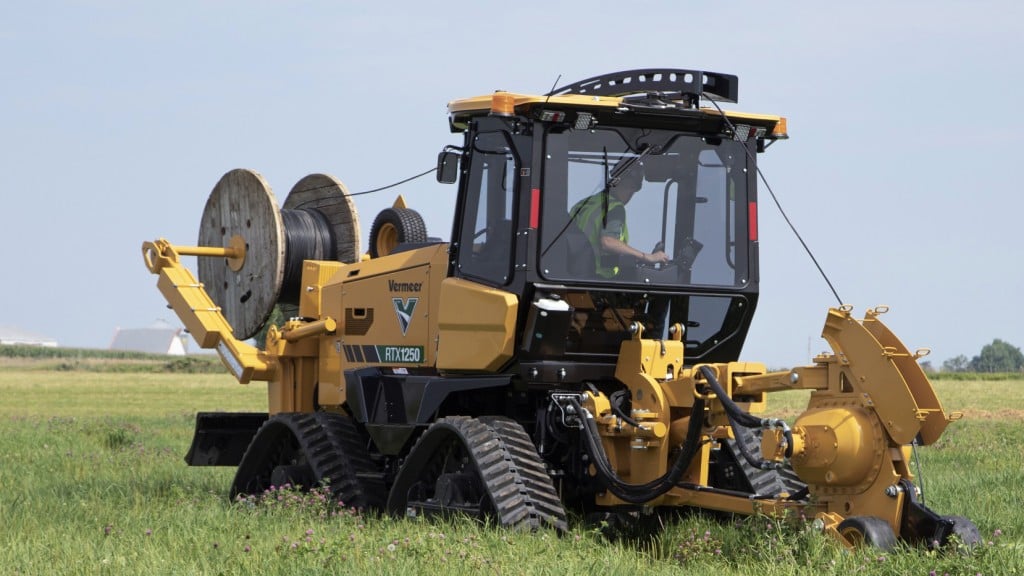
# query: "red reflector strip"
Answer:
x=534 y=208
x=752 y=220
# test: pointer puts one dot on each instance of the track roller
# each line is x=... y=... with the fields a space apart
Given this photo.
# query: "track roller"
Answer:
x=486 y=468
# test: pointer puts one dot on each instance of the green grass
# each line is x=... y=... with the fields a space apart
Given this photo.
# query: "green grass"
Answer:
x=976 y=376
x=93 y=482
x=14 y=357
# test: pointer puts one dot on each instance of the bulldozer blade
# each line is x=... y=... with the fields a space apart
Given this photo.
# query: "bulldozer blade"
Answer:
x=221 y=438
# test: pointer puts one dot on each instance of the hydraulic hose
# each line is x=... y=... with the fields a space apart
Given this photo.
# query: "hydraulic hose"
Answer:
x=741 y=421
x=641 y=493
x=616 y=400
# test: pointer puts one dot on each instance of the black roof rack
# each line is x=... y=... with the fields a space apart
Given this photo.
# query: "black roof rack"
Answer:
x=713 y=85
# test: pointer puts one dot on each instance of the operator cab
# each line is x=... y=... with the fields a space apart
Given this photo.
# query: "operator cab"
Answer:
x=541 y=193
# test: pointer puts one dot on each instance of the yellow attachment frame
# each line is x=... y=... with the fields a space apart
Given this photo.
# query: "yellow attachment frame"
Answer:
x=201 y=316
x=870 y=400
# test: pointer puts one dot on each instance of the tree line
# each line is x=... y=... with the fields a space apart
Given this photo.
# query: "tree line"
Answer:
x=998 y=356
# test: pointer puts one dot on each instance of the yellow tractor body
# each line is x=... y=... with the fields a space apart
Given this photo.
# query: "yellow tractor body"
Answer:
x=546 y=356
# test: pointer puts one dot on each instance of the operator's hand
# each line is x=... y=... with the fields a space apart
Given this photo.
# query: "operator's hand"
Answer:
x=658 y=257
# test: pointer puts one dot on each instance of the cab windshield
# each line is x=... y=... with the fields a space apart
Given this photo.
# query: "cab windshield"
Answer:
x=641 y=206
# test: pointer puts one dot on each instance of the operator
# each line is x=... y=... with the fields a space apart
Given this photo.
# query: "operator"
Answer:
x=608 y=235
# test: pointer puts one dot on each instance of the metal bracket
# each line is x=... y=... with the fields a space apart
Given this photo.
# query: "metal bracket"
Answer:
x=709 y=85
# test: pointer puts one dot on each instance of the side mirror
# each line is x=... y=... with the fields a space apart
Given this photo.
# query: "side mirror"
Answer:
x=448 y=167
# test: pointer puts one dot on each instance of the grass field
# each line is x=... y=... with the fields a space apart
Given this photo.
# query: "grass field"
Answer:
x=93 y=482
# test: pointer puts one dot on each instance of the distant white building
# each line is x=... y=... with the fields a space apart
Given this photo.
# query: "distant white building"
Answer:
x=158 y=338
x=11 y=335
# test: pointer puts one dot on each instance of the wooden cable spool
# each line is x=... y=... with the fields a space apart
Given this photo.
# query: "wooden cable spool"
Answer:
x=318 y=222
x=326 y=195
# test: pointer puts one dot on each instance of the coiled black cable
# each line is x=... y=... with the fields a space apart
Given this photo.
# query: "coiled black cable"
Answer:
x=308 y=236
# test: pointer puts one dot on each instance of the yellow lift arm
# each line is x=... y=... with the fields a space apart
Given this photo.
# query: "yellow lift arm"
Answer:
x=201 y=316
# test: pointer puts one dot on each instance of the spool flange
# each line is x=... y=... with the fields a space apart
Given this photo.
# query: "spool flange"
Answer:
x=243 y=209
x=242 y=204
x=327 y=195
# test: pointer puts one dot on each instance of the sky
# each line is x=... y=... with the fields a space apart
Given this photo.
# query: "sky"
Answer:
x=118 y=117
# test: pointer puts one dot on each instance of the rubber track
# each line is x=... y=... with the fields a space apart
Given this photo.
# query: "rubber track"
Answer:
x=541 y=502
x=347 y=457
x=506 y=461
x=769 y=483
x=334 y=450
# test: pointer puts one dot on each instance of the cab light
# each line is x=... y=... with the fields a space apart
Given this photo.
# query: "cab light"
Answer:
x=503 y=104
x=780 y=132
x=534 y=208
x=744 y=132
x=752 y=221
x=551 y=116
x=584 y=120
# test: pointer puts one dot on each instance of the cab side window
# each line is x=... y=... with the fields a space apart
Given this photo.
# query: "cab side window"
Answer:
x=488 y=234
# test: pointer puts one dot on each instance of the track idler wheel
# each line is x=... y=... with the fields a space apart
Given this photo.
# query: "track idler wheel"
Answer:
x=394 y=226
x=486 y=468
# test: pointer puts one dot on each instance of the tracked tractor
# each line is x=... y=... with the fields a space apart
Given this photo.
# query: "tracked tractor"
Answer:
x=572 y=346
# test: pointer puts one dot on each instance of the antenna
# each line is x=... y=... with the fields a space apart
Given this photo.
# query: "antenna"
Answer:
x=552 y=91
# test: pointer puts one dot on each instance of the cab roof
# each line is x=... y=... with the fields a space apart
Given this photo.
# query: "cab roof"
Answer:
x=651 y=97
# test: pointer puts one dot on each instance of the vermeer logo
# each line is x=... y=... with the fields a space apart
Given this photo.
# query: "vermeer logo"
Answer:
x=404 y=286
x=404 y=310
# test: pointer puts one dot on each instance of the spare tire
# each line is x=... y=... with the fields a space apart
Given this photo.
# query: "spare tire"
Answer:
x=394 y=226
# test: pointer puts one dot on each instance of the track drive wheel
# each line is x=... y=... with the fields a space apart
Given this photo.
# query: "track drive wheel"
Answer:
x=486 y=468
x=868 y=531
x=307 y=449
x=394 y=226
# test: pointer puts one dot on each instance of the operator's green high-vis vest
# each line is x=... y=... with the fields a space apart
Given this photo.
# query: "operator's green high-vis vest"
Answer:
x=589 y=215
